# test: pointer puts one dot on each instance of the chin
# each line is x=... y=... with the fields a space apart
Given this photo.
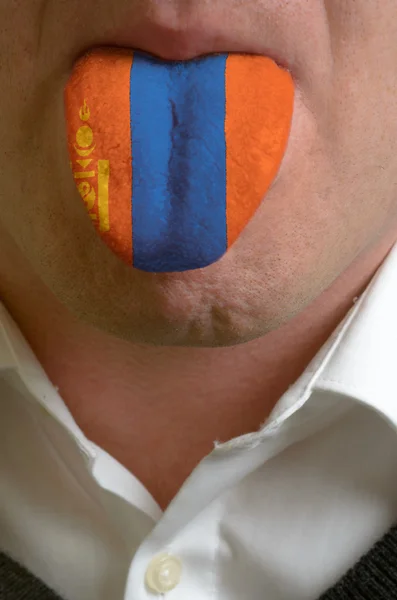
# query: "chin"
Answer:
x=204 y=308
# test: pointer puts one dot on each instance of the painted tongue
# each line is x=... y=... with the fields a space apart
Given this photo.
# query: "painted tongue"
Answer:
x=172 y=159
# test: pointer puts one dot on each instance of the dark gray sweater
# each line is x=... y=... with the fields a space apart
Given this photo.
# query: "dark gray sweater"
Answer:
x=374 y=577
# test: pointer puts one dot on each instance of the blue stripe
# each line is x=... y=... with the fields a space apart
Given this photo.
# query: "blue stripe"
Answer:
x=178 y=163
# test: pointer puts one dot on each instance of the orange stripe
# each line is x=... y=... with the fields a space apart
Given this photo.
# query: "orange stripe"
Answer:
x=97 y=100
x=259 y=108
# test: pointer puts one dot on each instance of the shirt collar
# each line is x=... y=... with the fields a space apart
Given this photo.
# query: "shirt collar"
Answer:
x=16 y=357
x=358 y=360
x=364 y=366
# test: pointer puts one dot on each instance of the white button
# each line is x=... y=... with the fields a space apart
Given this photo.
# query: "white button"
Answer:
x=163 y=573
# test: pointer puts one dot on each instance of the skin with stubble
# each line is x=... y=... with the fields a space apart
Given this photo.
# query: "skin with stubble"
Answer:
x=155 y=367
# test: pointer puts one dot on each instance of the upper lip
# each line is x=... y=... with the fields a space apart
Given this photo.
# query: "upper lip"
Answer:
x=205 y=33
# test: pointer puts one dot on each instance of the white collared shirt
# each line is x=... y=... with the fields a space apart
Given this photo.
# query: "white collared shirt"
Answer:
x=279 y=514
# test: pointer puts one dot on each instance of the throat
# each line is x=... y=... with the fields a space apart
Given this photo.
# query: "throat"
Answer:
x=161 y=463
x=162 y=445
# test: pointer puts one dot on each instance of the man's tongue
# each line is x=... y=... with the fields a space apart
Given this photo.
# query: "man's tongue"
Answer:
x=172 y=159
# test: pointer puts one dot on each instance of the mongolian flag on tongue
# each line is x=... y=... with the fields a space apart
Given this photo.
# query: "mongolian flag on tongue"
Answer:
x=172 y=159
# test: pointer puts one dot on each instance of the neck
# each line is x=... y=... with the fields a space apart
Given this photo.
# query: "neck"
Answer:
x=166 y=406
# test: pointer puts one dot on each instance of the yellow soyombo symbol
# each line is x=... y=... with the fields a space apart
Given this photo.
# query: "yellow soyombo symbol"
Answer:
x=96 y=200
